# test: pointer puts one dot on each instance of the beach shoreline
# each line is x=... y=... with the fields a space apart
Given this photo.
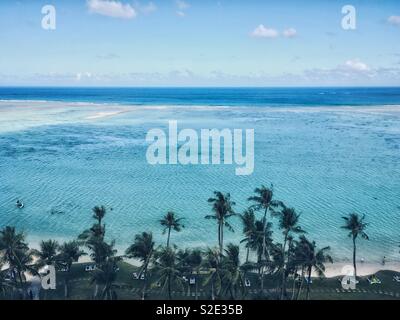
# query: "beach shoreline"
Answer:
x=336 y=269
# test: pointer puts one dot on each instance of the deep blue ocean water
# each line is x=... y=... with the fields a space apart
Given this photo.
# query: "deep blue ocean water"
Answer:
x=323 y=158
x=212 y=96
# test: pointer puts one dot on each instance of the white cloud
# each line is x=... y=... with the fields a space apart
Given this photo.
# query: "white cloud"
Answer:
x=290 y=33
x=81 y=76
x=182 y=5
x=356 y=65
x=263 y=32
x=394 y=20
x=146 y=8
x=111 y=8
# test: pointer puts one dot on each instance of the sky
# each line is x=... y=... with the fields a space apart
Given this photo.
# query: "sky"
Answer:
x=200 y=43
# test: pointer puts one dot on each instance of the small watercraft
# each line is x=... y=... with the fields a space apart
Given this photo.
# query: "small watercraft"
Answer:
x=19 y=204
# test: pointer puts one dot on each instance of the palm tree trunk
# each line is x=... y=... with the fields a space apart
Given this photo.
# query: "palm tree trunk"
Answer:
x=169 y=288
x=283 y=288
x=308 y=283
x=247 y=254
x=301 y=284
x=294 y=283
x=212 y=290
x=264 y=235
x=169 y=235
x=65 y=289
x=219 y=238
x=144 y=288
x=96 y=291
x=196 y=288
x=264 y=249
x=354 y=258
x=144 y=271
x=222 y=238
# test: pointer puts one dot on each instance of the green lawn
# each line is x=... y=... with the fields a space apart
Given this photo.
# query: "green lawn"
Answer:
x=128 y=288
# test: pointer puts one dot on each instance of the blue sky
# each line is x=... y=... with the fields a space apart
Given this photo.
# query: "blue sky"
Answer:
x=199 y=43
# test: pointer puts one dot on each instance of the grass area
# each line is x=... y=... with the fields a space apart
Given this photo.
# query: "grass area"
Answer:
x=127 y=288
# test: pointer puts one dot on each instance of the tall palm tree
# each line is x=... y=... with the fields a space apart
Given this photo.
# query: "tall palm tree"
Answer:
x=104 y=255
x=192 y=261
x=232 y=275
x=98 y=229
x=47 y=254
x=288 y=223
x=106 y=275
x=24 y=263
x=222 y=206
x=356 y=225
x=211 y=262
x=248 y=221
x=12 y=247
x=171 y=222
x=312 y=259
x=98 y=213
x=258 y=238
x=69 y=253
x=263 y=201
x=142 y=249
x=5 y=286
x=167 y=270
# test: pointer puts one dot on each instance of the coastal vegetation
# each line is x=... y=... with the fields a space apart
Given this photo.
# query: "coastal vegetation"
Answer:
x=263 y=265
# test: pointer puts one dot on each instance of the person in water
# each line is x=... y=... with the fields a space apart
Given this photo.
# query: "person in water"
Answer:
x=19 y=204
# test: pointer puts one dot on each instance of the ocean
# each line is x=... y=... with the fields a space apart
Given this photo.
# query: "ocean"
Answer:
x=327 y=152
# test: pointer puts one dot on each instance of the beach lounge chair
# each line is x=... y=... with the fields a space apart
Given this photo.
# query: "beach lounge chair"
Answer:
x=396 y=278
x=135 y=275
x=247 y=283
x=374 y=280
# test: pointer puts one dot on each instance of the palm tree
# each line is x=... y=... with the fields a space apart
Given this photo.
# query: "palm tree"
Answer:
x=47 y=254
x=5 y=286
x=288 y=223
x=356 y=225
x=98 y=213
x=248 y=221
x=24 y=263
x=263 y=200
x=258 y=238
x=104 y=255
x=97 y=230
x=192 y=261
x=12 y=245
x=167 y=270
x=142 y=249
x=222 y=208
x=232 y=275
x=211 y=262
x=312 y=259
x=106 y=275
x=171 y=222
x=69 y=253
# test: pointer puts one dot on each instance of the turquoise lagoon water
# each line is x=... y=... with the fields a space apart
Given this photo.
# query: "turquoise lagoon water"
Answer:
x=325 y=156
